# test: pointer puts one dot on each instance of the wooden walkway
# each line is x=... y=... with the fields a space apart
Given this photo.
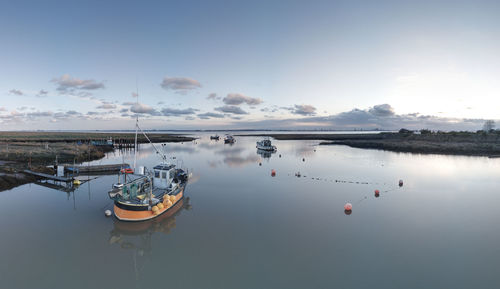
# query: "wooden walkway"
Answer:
x=95 y=168
x=49 y=177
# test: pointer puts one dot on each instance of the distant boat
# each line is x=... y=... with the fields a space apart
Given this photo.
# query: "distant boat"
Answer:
x=266 y=145
x=215 y=137
x=229 y=139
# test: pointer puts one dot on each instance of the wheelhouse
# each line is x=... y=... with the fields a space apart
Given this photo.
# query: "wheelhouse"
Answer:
x=163 y=175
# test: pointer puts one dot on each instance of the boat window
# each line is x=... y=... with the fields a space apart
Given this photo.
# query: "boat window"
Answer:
x=164 y=175
x=157 y=174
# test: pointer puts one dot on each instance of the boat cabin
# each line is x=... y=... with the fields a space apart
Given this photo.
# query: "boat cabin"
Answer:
x=266 y=143
x=163 y=175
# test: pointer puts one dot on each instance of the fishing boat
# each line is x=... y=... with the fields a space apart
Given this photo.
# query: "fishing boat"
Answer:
x=147 y=194
x=229 y=139
x=215 y=137
x=266 y=145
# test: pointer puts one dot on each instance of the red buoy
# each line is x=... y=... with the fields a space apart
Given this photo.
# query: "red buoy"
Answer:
x=377 y=193
x=348 y=207
x=273 y=173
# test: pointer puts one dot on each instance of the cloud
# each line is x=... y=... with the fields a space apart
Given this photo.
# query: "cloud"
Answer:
x=208 y=115
x=178 y=112
x=237 y=99
x=382 y=110
x=269 y=109
x=42 y=93
x=231 y=109
x=16 y=92
x=303 y=109
x=213 y=96
x=67 y=83
x=38 y=114
x=106 y=105
x=179 y=84
x=142 y=108
x=381 y=117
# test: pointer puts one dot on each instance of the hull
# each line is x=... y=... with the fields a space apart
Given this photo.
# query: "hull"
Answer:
x=269 y=149
x=136 y=213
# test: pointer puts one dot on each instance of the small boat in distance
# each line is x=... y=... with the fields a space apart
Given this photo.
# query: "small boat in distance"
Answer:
x=266 y=145
x=229 y=139
x=215 y=137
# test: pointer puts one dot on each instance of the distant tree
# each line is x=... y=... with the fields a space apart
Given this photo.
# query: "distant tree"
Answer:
x=405 y=131
x=489 y=126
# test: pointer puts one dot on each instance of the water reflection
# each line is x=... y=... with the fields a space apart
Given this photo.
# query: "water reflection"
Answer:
x=265 y=154
x=136 y=236
x=238 y=161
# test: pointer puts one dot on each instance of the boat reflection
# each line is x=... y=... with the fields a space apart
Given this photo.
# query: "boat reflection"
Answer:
x=164 y=224
x=265 y=154
x=135 y=237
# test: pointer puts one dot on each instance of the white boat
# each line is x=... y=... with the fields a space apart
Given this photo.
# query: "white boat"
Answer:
x=266 y=145
x=229 y=139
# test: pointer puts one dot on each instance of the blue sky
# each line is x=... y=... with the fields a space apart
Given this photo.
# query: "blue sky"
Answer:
x=271 y=64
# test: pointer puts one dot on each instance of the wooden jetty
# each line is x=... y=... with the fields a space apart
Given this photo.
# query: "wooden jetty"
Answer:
x=94 y=168
x=49 y=177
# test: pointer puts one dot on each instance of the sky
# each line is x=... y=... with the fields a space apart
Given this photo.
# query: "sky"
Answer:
x=249 y=64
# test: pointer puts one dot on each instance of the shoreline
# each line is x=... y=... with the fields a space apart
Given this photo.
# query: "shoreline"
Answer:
x=445 y=143
x=38 y=150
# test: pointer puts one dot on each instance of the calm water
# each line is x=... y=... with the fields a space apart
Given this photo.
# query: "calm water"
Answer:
x=242 y=228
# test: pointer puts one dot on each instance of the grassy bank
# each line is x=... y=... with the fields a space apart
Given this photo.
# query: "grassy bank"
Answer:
x=51 y=137
x=453 y=143
x=37 y=150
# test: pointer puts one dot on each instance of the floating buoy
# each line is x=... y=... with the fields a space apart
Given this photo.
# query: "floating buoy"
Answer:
x=76 y=182
x=260 y=164
x=377 y=193
x=107 y=213
x=348 y=207
x=280 y=155
x=400 y=183
x=273 y=172
x=303 y=159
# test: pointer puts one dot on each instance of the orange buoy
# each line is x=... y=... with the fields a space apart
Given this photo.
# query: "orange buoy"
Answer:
x=273 y=172
x=348 y=207
x=377 y=193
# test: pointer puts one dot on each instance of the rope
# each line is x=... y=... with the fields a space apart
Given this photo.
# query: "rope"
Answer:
x=164 y=157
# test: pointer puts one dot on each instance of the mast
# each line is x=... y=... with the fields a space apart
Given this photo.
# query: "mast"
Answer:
x=136 y=127
x=135 y=144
